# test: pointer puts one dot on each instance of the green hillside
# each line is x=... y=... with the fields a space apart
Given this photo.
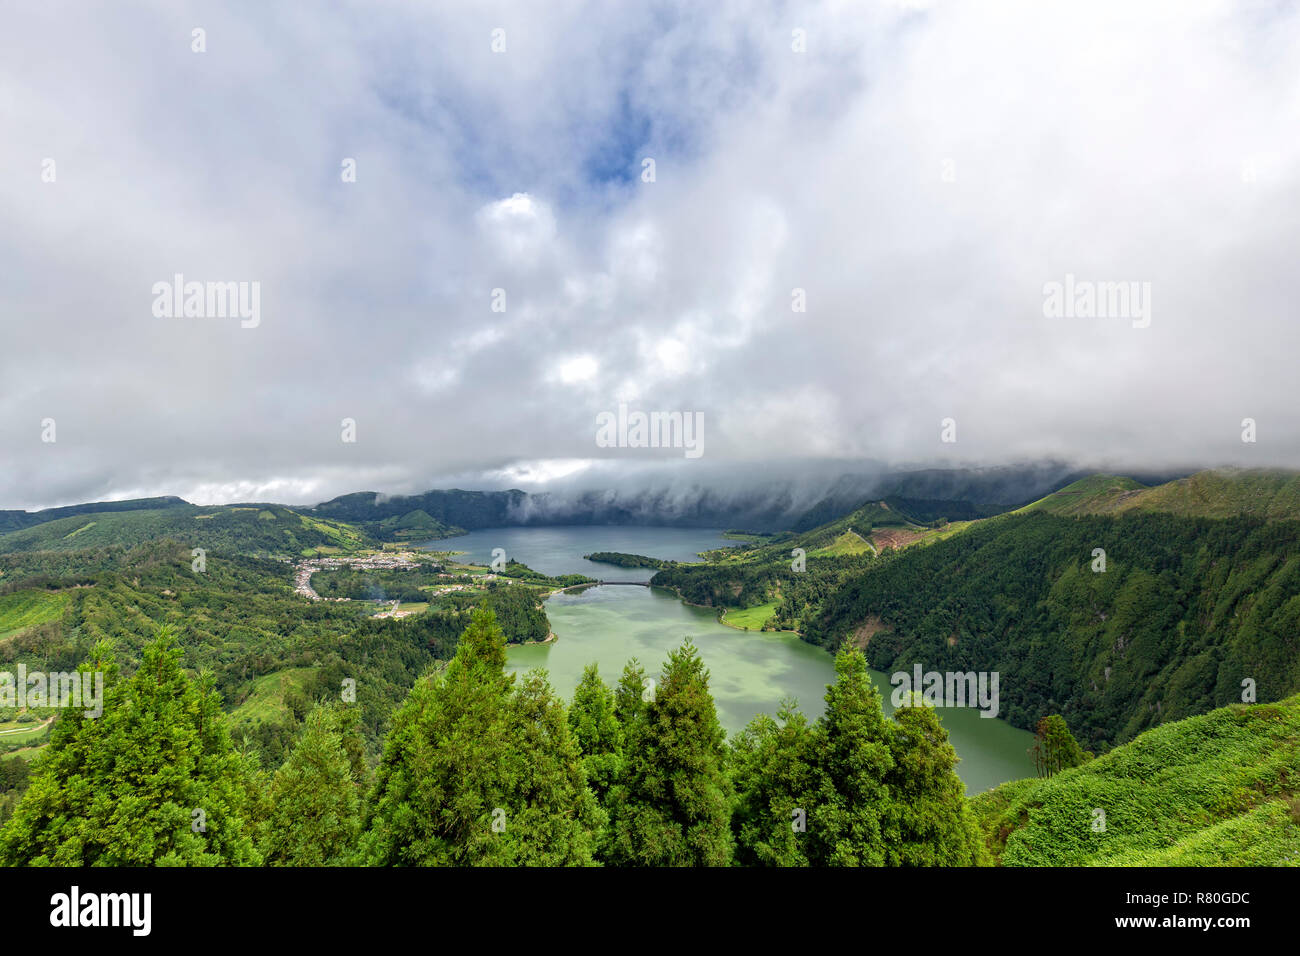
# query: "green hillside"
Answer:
x=1096 y=494
x=1219 y=494
x=1185 y=610
x=227 y=529
x=415 y=524
x=238 y=621
x=763 y=575
x=27 y=608
x=441 y=513
x=1200 y=590
x=16 y=520
x=241 y=622
x=273 y=699
x=1223 y=493
x=1220 y=789
x=850 y=542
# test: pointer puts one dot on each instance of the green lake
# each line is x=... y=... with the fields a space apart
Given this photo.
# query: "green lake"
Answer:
x=750 y=671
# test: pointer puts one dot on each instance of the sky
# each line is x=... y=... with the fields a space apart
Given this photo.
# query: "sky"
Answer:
x=929 y=181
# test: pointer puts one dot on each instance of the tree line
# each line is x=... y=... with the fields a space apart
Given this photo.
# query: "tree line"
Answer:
x=482 y=768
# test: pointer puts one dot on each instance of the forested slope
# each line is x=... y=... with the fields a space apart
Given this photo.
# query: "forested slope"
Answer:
x=1217 y=493
x=229 y=529
x=238 y=620
x=829 y=555
x=1184 y=612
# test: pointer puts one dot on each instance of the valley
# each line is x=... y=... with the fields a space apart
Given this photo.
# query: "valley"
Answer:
x=856 y=439
x=1197 y=600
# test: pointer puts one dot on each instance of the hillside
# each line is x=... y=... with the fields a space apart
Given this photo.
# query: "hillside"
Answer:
x=414 y=524
x=17 y=520
x=27 y=608
x=452 y=510
x=1185 y=610
x=240 y=621
x=226 y=529
x=1220 y=789
x=1223 y=493
x=761 y=575
x=1096 y=494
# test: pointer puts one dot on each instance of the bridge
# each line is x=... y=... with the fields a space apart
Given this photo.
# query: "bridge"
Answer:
x=592 y=584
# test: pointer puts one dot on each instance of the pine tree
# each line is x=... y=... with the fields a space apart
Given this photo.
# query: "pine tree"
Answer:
x=153 y=780
x=672 y=805
x=552 y=817
x=932 y=823
x=1055 y=748
x=315 y=807
x=478 y=772
x=847 y=820
x=596 y=730
x=774 y=768
x=631 y=694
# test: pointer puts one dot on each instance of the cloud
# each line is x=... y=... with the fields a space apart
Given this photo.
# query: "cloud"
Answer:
x=521 y=229
x=919 y=173
x=577 y=369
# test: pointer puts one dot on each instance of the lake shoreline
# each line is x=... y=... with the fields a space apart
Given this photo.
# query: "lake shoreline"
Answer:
x=722 y=614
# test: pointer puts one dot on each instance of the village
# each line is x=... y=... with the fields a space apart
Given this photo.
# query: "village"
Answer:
x=382 y=561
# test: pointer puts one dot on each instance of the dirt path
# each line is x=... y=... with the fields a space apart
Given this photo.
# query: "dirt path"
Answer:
x=867 y=541
x=28 y=730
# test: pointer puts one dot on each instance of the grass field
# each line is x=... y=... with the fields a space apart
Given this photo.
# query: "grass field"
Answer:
x=948 y=530
x=14 y=734
x=850 y=542
x=344 y=536
x=749 y=618
x=23 y=609
x=266 y=703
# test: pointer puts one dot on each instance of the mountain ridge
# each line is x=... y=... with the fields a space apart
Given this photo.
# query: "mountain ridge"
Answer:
x=1271 y=494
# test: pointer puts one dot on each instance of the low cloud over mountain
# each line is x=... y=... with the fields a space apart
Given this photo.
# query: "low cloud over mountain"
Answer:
x=863 y=222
